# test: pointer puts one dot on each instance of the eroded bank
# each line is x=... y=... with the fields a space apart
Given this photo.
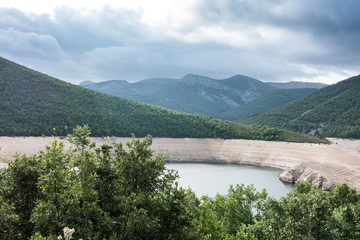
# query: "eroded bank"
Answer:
x=322 y=164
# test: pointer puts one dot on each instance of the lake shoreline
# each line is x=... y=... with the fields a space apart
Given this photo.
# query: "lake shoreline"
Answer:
x=213 y=178
x=324 y=165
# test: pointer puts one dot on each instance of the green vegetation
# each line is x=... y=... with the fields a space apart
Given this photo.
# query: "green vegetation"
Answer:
x=267 y=102
x=117 y=191
x=333 y=111
x=267 y=133
x=33 y=104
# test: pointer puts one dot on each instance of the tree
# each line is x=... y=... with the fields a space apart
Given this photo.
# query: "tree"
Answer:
x=114 y=191
x=18 y=195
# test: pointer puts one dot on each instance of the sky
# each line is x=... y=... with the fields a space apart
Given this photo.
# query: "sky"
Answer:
x=272 y=40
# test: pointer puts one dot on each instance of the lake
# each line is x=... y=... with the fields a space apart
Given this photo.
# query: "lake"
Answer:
x=210 y=179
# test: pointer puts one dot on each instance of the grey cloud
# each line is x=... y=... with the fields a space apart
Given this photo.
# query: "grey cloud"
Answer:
x=105 y=28
x=175 y=59
x=29 y=44
x=79 y=32
x=115 y=44
x=58 y=44
x=331 y=27
x=320 y=16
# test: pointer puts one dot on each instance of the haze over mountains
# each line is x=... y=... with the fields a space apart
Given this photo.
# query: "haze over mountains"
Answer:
x=223 y=98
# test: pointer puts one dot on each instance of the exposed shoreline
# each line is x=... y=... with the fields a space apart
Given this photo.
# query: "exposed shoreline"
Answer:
x=325 y=165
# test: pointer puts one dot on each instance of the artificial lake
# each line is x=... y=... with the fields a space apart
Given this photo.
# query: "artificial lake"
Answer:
x=210 y=179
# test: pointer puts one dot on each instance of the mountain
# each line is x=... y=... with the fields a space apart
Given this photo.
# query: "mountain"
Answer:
x=214 y=96
x=267 y=102
x=32 y=104
x=195 y=94
x=296 y=85
x=333 y=111
x=123 y=88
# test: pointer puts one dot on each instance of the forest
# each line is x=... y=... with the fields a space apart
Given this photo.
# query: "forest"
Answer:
x=333 y=111
x=33 y=104
x=122 y=191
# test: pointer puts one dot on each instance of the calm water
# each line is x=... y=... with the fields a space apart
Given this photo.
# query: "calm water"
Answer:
x=210 y=179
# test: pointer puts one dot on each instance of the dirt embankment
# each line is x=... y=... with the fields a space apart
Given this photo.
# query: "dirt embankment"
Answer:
x=323 y=165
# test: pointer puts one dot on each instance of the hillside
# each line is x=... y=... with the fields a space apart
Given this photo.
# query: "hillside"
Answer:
x=33 y=104
x=222 y=98
x=333 y=111
x=215 y=96
x=267 y=102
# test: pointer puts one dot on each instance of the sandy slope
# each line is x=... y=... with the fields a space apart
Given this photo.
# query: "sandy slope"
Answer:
x=323 y=165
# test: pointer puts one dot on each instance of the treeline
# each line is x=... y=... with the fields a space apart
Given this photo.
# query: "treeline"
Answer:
x=333 y=111
x=122 y=191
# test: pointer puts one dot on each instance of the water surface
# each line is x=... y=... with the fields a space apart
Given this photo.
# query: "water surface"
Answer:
x=210 y=179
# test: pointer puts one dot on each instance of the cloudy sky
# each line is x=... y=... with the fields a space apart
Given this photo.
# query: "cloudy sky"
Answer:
x=272 y=40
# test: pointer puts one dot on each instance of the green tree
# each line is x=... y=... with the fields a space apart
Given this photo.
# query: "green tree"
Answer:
x=19 y=192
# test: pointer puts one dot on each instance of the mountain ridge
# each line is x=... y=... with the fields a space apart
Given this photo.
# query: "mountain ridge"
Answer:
x=35 y=104
x=197 y=94
x=297 y=84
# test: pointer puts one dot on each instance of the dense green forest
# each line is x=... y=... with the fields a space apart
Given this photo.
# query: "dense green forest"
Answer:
x=333 y=111
x=33 y=104
x=122 y=191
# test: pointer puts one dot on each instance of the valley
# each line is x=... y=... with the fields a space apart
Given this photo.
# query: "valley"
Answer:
x=35 y=104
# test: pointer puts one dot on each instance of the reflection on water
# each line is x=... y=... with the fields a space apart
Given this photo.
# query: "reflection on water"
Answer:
x=210 y=179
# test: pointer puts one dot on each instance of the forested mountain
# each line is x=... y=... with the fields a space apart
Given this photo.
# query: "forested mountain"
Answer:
x=267 y=102
x=225 y=98
x=332 y=111
x=33 y=104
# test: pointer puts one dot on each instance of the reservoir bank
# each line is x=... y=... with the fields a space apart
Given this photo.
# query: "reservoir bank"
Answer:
x=324 y=165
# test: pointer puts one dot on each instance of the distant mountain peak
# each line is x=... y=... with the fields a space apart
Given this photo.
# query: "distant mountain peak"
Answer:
x=85 y=83
x=193 y=77
x=242 y=77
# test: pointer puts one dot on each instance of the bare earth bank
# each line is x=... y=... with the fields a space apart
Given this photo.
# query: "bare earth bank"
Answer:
x=323 y=165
